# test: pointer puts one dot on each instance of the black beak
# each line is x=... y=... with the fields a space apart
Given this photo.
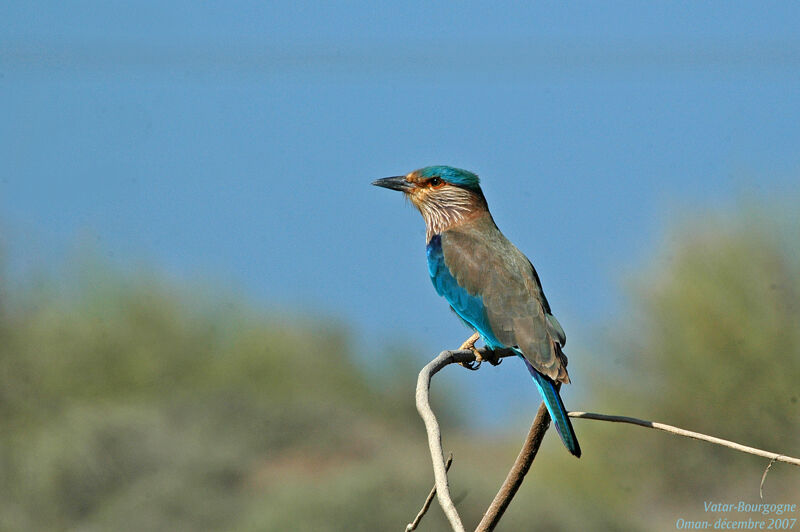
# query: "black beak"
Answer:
x=394 y=183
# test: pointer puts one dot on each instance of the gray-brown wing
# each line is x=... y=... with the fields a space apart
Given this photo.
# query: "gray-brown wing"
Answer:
x=486 y=263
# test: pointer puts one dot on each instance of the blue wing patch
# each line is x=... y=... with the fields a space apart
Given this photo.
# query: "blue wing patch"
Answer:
x=469 y=307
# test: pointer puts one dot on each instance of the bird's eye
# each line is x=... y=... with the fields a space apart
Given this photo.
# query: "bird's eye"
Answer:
x=436 y=182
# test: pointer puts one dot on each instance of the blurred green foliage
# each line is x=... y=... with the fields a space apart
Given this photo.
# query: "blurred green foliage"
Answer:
x=128 y=402
x=711 y=343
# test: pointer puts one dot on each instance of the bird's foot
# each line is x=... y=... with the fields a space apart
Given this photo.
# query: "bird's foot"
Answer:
x=470 y=344
x=491 y=357
x=472 y=366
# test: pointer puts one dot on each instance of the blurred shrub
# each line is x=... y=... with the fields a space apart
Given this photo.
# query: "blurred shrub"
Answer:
x=711 y=343
x=129 y=404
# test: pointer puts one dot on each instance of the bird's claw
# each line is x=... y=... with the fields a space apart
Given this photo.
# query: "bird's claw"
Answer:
x=491 y=357
x=472 y=366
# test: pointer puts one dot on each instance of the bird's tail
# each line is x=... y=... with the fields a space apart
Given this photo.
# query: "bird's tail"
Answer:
x=552 y=400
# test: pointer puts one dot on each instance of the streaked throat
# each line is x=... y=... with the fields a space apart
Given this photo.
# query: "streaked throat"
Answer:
x=443 y=211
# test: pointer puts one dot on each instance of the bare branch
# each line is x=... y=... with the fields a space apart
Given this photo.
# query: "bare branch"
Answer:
x=688 y=434
x=427 y=504
x=432 y=425
x=528 y=453
x=763 y=479
x=518 y=471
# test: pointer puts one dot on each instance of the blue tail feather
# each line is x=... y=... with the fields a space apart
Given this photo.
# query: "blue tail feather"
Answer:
x=552 y=400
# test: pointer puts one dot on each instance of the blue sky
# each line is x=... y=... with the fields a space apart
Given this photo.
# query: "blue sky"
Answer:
x=236 y=142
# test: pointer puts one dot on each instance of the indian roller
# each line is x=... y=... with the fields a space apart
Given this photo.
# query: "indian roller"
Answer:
x=487 y=281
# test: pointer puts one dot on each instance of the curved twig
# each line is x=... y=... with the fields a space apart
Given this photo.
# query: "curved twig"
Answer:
x=432 y=426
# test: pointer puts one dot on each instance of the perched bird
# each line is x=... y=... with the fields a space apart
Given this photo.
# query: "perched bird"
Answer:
x=488 y=282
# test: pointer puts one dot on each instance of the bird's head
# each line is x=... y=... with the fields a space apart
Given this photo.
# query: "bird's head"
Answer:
x=443 y=194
